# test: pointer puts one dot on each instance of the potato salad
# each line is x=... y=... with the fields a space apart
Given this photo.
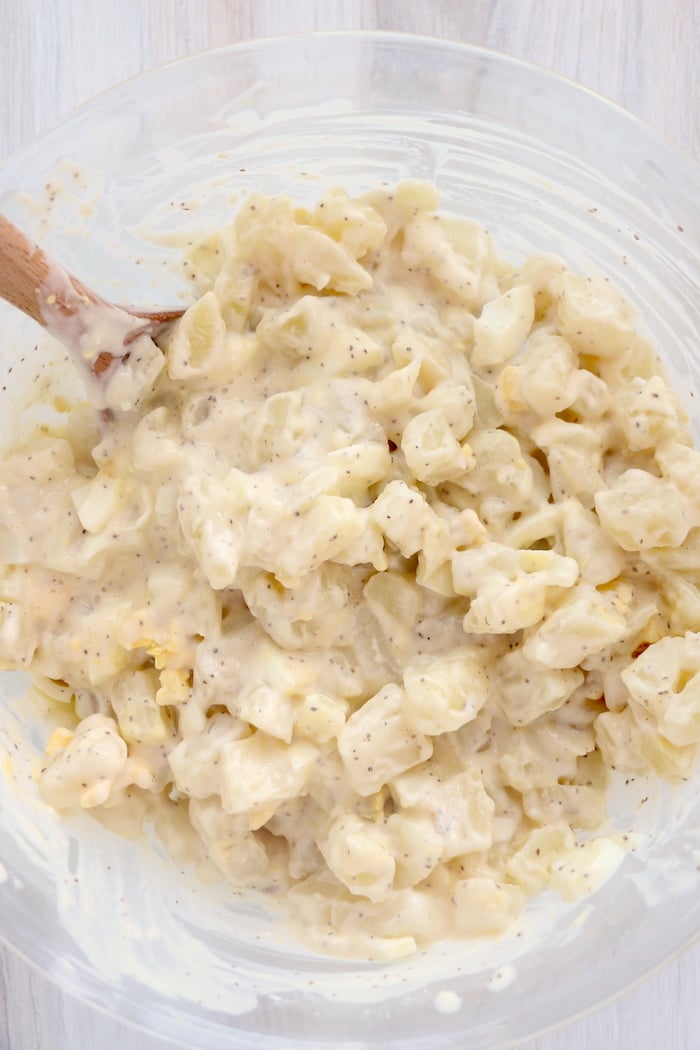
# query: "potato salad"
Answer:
x=360 y=605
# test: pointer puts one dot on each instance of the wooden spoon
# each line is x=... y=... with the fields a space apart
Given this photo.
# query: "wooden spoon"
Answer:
x=97 y=333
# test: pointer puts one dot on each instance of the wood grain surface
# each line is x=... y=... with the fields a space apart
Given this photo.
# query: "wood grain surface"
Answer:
x=644 y=54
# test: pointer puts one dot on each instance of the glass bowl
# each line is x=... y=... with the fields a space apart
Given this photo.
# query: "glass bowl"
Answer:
x=546 y=166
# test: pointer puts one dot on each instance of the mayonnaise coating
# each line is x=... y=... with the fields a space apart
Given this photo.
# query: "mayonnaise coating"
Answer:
x=397 y=559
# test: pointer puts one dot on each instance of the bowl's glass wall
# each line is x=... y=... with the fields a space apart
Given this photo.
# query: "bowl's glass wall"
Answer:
x=544 y=165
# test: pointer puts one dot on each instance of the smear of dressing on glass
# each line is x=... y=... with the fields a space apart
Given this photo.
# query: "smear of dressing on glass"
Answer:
x=447 y=1002
x=501 y=978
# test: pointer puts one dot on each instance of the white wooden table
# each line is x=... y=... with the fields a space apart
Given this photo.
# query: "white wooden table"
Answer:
x=645 y=54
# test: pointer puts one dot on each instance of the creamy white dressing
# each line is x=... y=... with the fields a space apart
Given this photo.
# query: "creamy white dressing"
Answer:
x=502 y=978
x=339 y=607
x=447 y=1002
x=90 y=329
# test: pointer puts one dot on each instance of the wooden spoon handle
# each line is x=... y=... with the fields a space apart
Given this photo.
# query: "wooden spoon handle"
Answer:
x=99 y=335
x=42 y=288
x=32 y=282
